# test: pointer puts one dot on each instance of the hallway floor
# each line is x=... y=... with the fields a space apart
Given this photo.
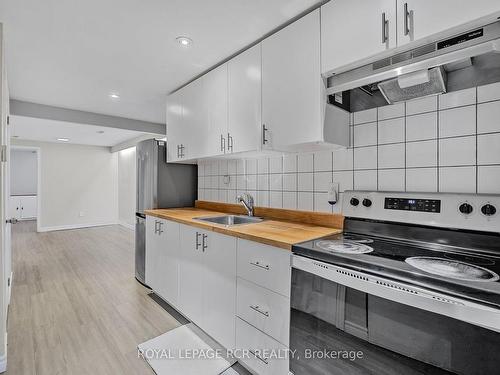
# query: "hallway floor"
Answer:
x=76 y=307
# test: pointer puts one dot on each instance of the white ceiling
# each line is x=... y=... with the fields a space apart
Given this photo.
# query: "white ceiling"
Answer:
x=73 y=53
x=35 y=129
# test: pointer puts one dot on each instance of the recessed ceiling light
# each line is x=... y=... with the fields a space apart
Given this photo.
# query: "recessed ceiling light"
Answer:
x=184 y=41
x=114 y=96
x=63 y=139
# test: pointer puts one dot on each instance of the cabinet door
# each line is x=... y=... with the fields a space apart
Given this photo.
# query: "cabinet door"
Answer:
x=191 y=273
x=216 y=98
x=351 y=30
x=175 y=125
x=291 y=94
x=153 y=244
x=425 y=17
x=219 y=288
x=28 y=207
x=194 y=120
x=168 y=261
x=14 y=207
x=245 y=101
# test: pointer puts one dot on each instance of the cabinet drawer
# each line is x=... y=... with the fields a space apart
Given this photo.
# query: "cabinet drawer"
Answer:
x=264 y=265
x=264 y=309
x=265 y=355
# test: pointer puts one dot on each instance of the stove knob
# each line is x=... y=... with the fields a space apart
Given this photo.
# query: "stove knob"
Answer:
x=488 y=210
x=367 y=202
x=466 y=208
x=354 y=201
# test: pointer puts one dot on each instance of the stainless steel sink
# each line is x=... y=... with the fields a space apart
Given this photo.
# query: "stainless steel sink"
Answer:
x=230 y=220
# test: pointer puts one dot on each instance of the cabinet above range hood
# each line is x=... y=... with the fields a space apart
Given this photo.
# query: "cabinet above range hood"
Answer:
x=467 y=59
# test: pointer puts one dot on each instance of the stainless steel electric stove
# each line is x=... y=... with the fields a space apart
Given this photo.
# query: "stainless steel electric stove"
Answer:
x=413 y=282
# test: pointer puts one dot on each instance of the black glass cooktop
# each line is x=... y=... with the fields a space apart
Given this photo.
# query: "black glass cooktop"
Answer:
x=458 y=271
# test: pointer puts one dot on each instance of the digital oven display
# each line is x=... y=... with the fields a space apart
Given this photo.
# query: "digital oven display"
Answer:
x=408 y=204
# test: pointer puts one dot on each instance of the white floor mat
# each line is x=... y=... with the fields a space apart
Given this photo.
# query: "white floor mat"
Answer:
x=184 y=351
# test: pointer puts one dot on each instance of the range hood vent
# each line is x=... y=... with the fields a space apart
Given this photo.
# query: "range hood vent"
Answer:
x=480 y=46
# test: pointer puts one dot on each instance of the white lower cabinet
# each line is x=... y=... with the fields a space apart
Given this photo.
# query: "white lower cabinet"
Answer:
x=23 y=207
x=264 y=309
x=162 y=258
x=266 y=356
x=207 y=282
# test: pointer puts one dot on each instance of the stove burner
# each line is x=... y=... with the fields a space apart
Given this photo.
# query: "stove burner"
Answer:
x=360 y=240
x=470 y=259
x=452 y=269
x=344 y=246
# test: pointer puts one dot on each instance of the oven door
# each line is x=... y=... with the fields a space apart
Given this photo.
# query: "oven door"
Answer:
x=343 y=323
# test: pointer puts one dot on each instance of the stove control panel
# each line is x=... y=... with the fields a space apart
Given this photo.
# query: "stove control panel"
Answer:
x=450 y=210
x=409 y=204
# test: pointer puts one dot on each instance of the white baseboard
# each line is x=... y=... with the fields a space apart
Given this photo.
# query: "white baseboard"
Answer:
x=127 y=225
x=75 y=226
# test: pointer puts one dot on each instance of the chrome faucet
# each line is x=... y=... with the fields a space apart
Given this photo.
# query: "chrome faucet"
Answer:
x=247 y=201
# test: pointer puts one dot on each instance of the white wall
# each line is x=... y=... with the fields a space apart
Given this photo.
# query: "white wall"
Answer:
x=79 y=185
x=127 y=187
x=23 y=172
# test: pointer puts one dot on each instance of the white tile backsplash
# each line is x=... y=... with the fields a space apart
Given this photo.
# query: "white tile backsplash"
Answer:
x=409 y=146
x=458 y=98
x=391 y=131
x=457 y=151
x=422 y=105
x=391 y=156
x=421 y=127
x=421 y=154
x=488 y=117
x=457 y=179
x=457 y=121
x=365 y=158
x=365 y=135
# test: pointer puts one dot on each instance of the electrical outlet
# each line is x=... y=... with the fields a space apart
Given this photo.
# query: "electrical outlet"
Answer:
x=333 y=193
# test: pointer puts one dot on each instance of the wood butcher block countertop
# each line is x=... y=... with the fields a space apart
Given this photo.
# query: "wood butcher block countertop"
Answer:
x=280 y=228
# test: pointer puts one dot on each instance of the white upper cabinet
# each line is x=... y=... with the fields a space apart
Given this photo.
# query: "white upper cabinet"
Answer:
x=291 y=84
x=245 y=101
x=352 y=30
x=195 y=120
x=216 y=98
x=175 y=125
x=418 y=19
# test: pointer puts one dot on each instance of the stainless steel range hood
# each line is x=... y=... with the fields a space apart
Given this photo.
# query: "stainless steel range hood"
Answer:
x=467 y=59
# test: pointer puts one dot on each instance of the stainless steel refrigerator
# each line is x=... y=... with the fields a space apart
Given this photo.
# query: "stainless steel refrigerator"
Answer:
x=159 y=185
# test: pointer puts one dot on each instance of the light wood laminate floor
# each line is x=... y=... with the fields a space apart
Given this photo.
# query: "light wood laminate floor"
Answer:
x=76 y=307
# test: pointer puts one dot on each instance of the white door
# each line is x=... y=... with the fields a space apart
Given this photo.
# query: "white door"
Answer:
x=352 y=30
x=214 y=141
x=174 y=125
x=168 y=262
x=245 y=101
x=191 y=273
x=5 y=230
x=425 y=17
x=291 y=79
x=219 y=288
x=28 y=207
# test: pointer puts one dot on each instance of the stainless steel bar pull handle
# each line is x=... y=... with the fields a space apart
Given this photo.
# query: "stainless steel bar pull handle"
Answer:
x=257 y=308
x=254 y=353
x=197 y=243
x=406 y=20
x=260 y=265
x=229 y=142
x=156 y=226
x=160 y=231
x=384 y=28
x=222 y=143
x=205 y=245
x=264 y=130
